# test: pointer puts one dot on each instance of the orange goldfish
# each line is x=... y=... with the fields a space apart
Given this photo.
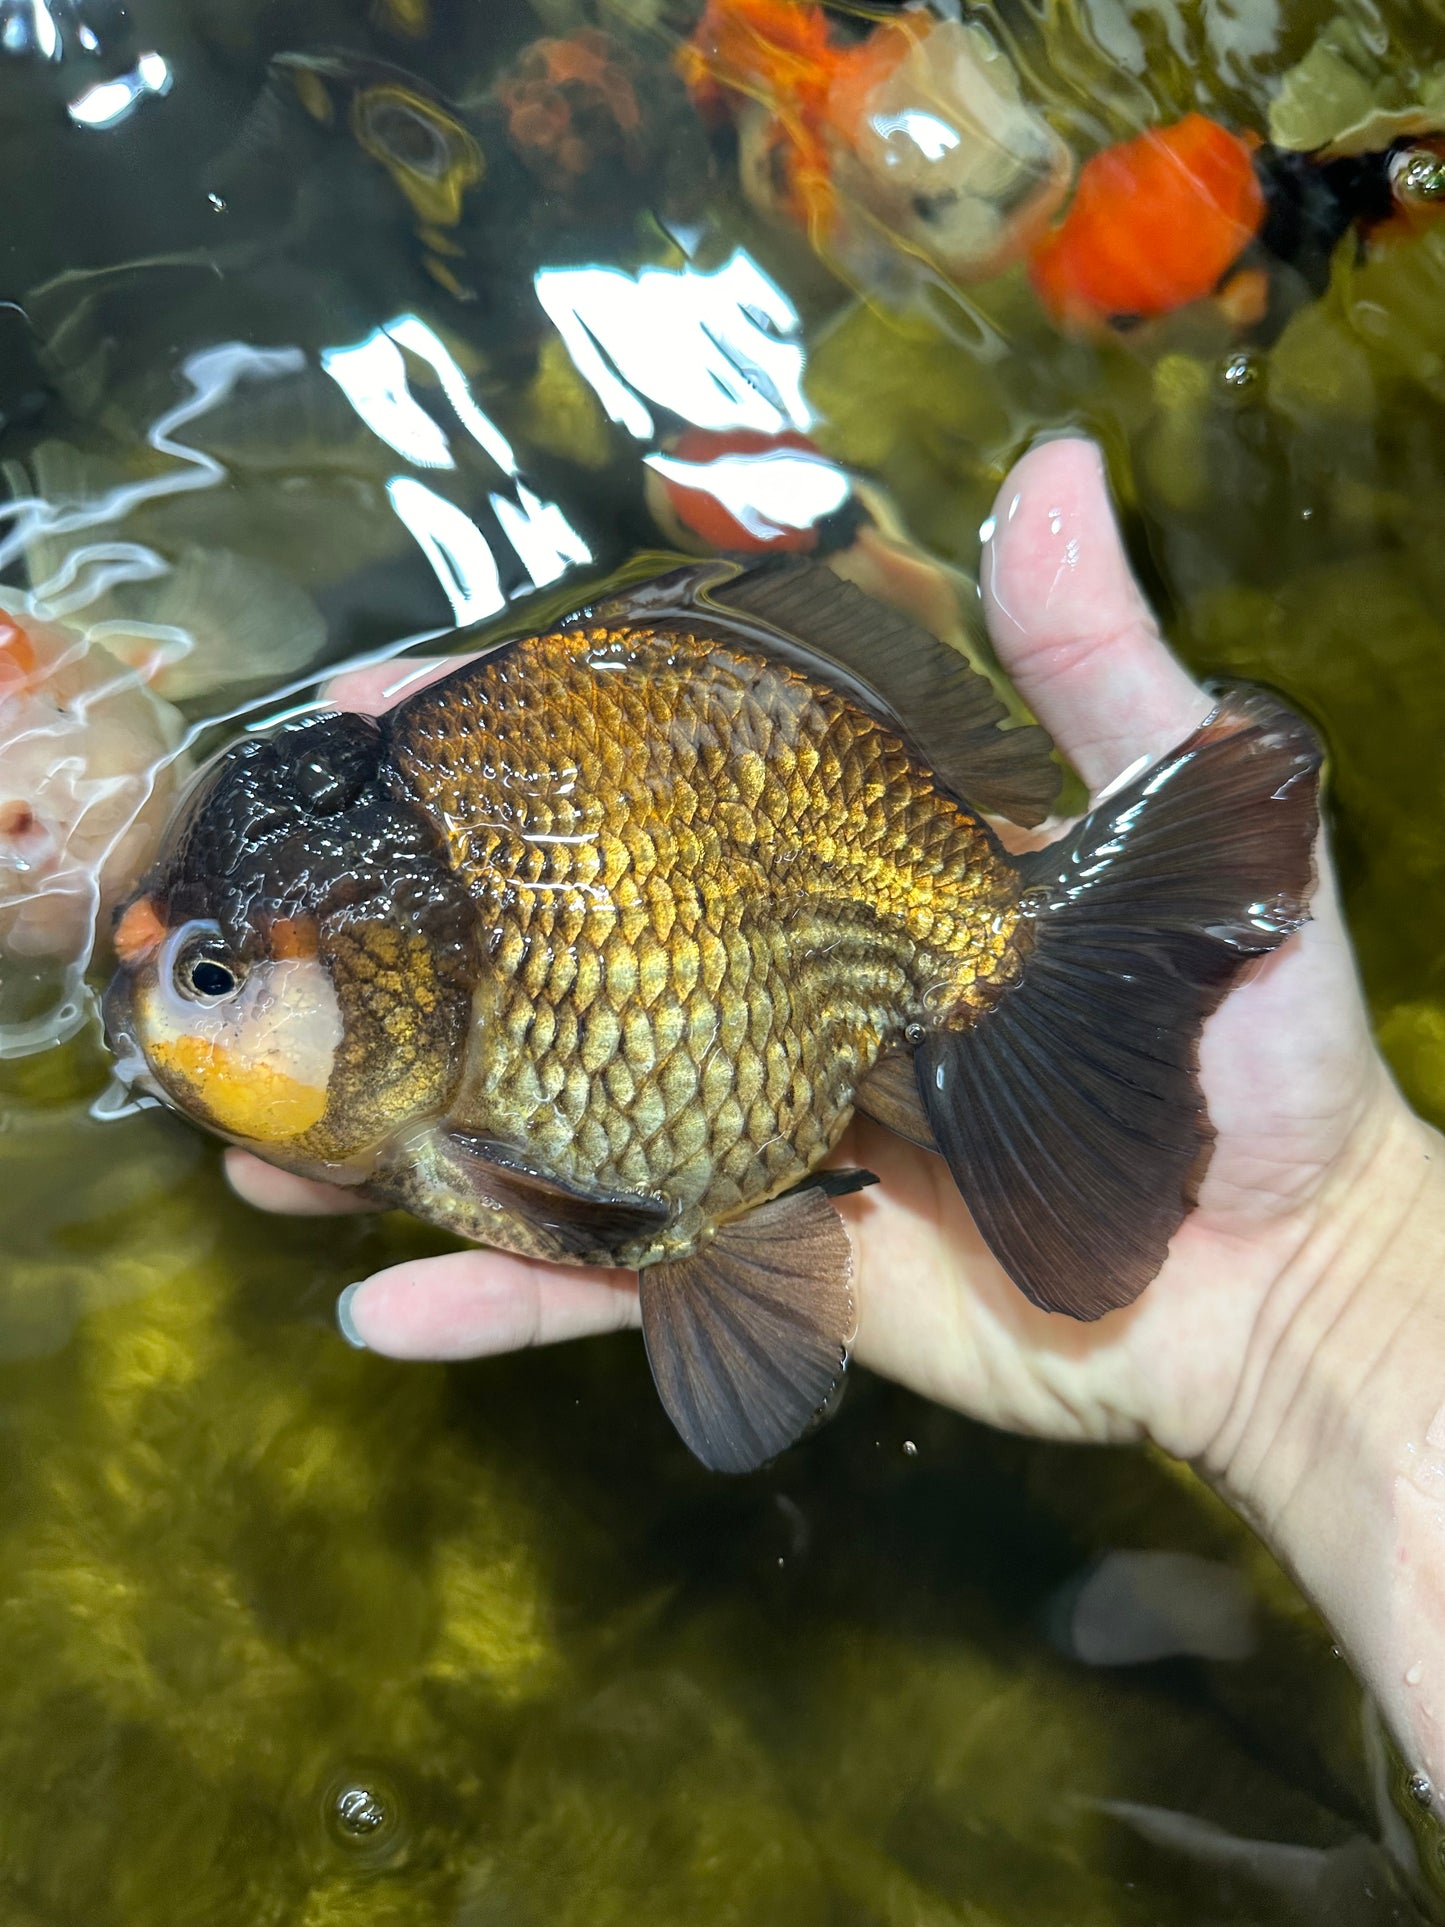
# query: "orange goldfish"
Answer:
x=1155 y=223
x=744 y=491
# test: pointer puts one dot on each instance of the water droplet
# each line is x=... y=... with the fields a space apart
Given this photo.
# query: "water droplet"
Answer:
x=217 y=204
x=1420 y=1789
x=1415 y=1674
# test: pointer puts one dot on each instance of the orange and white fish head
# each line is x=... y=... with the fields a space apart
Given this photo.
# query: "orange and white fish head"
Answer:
x=88 y=761
x=296 y=973
x=246 y=1046
x=933 y=136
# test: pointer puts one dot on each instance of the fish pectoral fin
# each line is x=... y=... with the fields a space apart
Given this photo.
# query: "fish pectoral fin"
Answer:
x=749 y=1336
x=930 y=691
x=581 y=1221
x=889 y=1095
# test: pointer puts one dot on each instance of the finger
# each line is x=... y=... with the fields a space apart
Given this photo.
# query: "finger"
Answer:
x=381 y=685
x=1069 y=623
x=472 y=1304
x=268 y=1189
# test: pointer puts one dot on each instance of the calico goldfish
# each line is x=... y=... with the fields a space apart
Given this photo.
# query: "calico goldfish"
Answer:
x=590 y=951
x=88 y=758
x=915 y=137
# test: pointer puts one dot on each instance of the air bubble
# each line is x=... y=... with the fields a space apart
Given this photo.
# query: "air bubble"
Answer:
x=359 y=1811
x=1417 y=177
x=363 y=1816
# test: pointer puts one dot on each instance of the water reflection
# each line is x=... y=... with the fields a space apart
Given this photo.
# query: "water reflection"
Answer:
x=109 y=101
x=719 y=350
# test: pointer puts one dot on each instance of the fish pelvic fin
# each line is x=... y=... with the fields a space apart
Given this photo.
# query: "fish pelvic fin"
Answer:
x=1071 y=1112
x=748 y=1337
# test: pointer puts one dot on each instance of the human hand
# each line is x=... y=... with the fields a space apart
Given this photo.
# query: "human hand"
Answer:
x=1289 y=1071
x=1295 y=1281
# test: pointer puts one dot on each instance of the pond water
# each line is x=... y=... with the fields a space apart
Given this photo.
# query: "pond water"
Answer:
x=325 y=326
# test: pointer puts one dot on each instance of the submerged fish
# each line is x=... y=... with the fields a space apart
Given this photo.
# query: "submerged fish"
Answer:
x=1155 y=223
x=591 y=949
x=915 y=137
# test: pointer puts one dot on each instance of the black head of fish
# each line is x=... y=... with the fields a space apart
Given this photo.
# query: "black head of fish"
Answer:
x=297 y=969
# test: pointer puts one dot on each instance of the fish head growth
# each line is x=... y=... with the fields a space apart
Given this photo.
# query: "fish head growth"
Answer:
x=296 y=971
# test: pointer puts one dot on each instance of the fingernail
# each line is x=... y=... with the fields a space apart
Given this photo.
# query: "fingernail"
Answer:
x=1068 y=432
x=344 y=1321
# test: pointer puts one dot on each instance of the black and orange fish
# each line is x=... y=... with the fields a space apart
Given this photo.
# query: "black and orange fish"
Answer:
x=591 y=950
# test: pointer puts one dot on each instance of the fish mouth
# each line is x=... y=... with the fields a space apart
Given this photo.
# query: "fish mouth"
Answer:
x=117 y=1015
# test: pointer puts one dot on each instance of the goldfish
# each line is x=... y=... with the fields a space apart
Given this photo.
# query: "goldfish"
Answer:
x=88 y=776
x=1155 y=223
x=916 y=136
x=744 y=490
x=591 y=950
x=600 y=130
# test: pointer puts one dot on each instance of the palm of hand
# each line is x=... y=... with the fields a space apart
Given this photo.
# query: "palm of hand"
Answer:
x=1288 y=1069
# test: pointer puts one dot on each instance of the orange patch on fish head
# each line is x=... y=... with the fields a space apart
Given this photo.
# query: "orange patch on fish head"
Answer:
x=292 y=937
x=139 y=932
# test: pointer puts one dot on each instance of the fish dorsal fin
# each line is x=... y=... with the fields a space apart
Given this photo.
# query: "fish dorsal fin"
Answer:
x=884 y=660
x=578 y=1219
x=748 y=1337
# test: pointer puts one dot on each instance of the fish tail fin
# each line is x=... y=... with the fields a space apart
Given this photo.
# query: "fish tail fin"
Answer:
x=1070 y=1113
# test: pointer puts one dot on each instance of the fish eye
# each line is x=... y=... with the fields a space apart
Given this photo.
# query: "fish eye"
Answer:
x=205 y=972
x=405 y=133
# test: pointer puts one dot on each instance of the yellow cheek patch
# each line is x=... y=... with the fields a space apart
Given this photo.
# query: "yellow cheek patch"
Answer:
x=248 y=1100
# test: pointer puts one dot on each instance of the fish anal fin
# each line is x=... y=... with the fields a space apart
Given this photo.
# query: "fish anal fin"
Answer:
x=943 y=705
x=889 y=1095
x=1071 y=1113
x=748 y=1337
x=580 y=1221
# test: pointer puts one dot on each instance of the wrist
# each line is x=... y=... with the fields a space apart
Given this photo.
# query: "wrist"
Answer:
x=1335 y=1449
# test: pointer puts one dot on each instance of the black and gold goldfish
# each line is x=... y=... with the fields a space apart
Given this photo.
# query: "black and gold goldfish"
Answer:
x=591 y=950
